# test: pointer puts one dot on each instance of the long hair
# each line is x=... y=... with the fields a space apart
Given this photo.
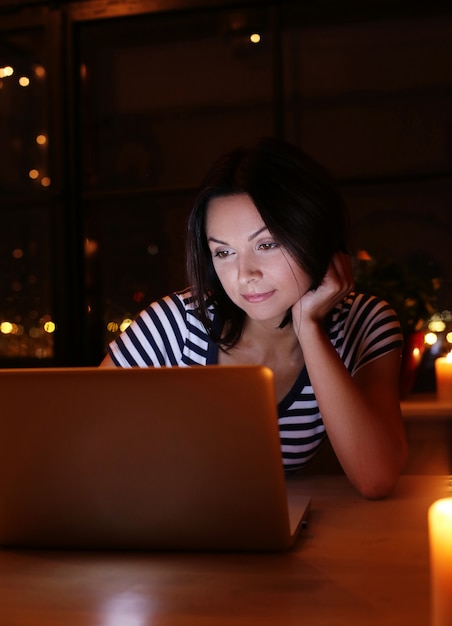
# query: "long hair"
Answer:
x=298 y=203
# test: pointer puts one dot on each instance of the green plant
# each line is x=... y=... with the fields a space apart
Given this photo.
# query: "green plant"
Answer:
x=410 y=286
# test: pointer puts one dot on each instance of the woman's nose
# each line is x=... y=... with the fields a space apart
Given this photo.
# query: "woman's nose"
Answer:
x=248 y=271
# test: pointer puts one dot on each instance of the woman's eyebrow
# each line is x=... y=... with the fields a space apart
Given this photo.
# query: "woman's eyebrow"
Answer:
x=223 y=243
x=250 y=238
x=257 y=233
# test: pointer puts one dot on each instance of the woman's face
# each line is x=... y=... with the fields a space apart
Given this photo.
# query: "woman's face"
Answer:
x=256 y=272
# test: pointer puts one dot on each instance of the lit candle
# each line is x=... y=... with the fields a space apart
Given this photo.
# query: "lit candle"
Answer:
x=443 y=373
x=440 y=536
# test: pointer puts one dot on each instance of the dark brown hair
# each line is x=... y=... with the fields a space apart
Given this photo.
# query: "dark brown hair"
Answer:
x=298 y=203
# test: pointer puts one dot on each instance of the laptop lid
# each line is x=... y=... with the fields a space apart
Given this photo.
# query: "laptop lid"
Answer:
x=155 y=459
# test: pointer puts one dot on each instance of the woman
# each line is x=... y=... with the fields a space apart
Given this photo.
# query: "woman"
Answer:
x=271 y=283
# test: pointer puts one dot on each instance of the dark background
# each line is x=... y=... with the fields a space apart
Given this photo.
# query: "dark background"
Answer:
x=135 y=99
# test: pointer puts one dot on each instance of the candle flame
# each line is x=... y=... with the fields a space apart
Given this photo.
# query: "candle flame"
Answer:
x=449 y=357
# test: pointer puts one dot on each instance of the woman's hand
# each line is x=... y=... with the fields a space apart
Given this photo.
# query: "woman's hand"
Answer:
x=315 y=304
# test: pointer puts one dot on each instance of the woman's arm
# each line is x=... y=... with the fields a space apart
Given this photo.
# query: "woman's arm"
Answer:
x=107 y=362
x=361 y=413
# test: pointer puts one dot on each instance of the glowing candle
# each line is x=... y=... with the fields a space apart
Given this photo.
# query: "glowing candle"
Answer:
x=443 y=373
x=440 y=536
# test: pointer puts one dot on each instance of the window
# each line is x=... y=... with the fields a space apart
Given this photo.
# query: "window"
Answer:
x=26 y=313
x=162 y=96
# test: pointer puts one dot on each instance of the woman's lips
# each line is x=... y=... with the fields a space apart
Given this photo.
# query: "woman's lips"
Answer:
x=253 y=298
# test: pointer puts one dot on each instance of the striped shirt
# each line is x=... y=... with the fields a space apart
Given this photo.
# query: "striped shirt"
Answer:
x=168 y=333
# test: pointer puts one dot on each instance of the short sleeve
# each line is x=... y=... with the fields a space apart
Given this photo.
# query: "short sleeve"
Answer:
x=364 y=329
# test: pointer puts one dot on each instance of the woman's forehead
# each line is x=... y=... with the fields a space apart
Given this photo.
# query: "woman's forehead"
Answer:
x=233 y=213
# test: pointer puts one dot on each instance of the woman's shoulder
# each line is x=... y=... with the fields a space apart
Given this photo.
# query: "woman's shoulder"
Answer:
x=181 y=301
x=184 y=298
x=187 y=302
x=363 y=328
x=180 y=307
x=363 y=310
x=357 y=301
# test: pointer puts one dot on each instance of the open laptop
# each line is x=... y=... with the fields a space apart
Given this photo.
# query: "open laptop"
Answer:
x=143 y=459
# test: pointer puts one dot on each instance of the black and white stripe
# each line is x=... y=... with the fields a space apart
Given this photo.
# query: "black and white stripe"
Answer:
x=169 y=333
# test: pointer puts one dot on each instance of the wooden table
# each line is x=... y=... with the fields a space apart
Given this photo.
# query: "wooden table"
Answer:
x=426 y=406
x=359 y=562
x=428 y=423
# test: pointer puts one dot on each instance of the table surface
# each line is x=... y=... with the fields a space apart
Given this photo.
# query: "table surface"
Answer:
x=426 y=406
x=358 y=562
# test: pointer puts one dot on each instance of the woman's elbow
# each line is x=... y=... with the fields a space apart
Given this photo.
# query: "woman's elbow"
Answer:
x=377 y=490
x=380 y=484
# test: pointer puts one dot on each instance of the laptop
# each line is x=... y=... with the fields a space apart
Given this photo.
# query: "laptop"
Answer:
x=144 y=459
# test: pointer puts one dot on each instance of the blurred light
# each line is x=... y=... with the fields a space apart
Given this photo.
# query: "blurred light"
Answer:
x=112 y=327
x=416 y=354
x=18 y=253
x=45 y=181
x=41 y=140
x=126 y=608
x=6 y=328
x=24 y=81
x=255 y=38
x=91 y=246
x=124 y=324
x=6 y=71
x=33 y=174
x=39 y=71
x=437 y=326
x=430 y=339
x=449 y=337
x=363 y=255
x=49 y=327
x=138 y=296
x=11 y=329
x=153 y=249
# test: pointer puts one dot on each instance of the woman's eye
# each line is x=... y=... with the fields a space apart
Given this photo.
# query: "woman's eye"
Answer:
x=268 y=245
x=221 y=254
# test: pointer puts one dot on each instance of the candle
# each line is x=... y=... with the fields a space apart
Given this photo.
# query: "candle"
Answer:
x=440 y=538
x=443 y=373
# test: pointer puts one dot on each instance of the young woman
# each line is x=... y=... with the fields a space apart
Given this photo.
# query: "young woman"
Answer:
x=271 y=283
